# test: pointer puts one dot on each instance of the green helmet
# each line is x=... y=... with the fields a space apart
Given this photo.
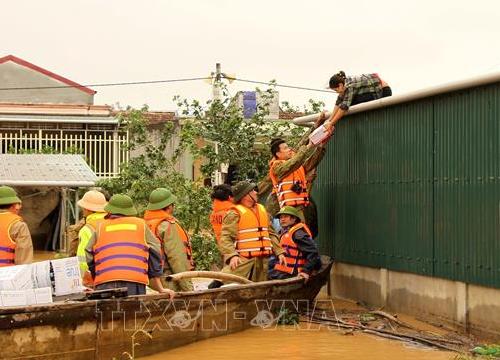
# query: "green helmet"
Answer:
x=160 y=199
x=120 y=204
x=8 y=196
x=241 y=189
x=290 y=210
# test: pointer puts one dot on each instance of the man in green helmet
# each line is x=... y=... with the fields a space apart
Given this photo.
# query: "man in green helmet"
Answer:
x=247 y=238
x=301 y=253
x=123 y=252
x=16 y=247
x=176 y=245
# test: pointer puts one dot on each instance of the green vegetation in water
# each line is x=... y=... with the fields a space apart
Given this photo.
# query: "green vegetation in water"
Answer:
x=492 y=350
x=482 y=352
x=287 y=317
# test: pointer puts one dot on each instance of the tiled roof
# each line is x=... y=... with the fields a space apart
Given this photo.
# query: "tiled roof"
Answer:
x=45 y=170
x=289 y=115
x=160 y=117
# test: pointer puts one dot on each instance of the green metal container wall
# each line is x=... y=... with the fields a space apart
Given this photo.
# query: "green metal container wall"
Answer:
x=415 y=187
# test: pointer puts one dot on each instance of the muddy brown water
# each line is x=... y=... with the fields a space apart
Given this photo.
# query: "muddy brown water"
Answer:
x=298 y=344
x=293 y=343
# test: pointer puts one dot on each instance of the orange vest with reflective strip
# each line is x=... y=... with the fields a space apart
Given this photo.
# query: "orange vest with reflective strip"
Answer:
x=155 y=217
x=253 y=238
x=294 y=258
x=7 y=245
x=219 y=209
x=283 y=188
x=121 y=252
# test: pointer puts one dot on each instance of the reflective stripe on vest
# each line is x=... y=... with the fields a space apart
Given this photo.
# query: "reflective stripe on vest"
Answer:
x=84 y=235
x=220 y=209
x=187 y=244
x=121 y=252
x=253 y=238
x=283 y=188
x=7 y=245
x=155 y=217
x=295 y=260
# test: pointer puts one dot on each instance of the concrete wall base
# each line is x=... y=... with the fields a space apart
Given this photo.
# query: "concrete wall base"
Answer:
x=474 y=309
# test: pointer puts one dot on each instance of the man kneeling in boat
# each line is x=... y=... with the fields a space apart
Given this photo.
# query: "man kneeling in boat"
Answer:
x=176 y=246
x=123 y=252
x=301 y=252
x=247 y=238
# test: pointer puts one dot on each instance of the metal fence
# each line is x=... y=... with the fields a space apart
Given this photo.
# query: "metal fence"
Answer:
x=104 y=150
x=416 y=187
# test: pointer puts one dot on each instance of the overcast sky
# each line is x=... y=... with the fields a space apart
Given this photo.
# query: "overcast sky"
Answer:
x=411 y=44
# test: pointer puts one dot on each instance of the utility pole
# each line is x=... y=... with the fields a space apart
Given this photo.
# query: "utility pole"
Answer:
x=217 y=82
x=221 y=172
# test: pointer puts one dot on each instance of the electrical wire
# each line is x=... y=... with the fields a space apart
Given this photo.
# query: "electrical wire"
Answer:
x=107 y=84
x=278 y=85
x=166 y=81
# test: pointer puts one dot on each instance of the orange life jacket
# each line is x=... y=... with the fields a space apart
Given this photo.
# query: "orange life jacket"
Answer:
x=283 y=188
x=155 y=217
x=121 y=252
x=219 y=209
x=253 y=239
x=295 y=260
x=7 y=245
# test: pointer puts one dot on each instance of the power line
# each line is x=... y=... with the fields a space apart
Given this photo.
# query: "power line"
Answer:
x=278 y=85
x=163 y=82
x=107 y=84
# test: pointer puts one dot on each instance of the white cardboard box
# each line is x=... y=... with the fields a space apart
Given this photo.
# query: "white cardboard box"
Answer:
x=41 y=274
x=319 y=135
x=25 y=297
x=43 y=295
x=67 y=276
x=16 y=277
x=30 y=296
x=14 y=298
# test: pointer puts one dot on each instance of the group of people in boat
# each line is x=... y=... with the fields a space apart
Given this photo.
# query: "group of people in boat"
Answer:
x=117 y=249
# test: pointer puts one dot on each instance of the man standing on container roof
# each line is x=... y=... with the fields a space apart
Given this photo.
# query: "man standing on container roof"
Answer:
x=123 y=252
x=16 y=246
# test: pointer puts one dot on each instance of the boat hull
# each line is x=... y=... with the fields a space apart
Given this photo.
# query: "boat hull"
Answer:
x=144 y=325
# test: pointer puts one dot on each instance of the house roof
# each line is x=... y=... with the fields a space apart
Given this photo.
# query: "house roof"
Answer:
x=48 y=73
x=160 y=117
x=55 y=109
x=45 y=170
x=289 y=115
x=154 y=117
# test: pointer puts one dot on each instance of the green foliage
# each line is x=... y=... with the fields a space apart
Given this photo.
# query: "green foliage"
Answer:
x=312 y=107
x=229 y=138
x=153 y=168
x=492 y=350
x=287 y=317
x=205 y=252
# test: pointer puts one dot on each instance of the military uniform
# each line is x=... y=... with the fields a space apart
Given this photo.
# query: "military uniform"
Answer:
x=125 y=268
x=251 y=267
x=16 y=243
x=176 y=246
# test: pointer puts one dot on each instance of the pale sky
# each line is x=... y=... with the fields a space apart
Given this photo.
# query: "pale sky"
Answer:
x=411 y=44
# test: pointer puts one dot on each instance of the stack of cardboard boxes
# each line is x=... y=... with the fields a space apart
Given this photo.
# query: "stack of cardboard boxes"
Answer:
x=24 y=285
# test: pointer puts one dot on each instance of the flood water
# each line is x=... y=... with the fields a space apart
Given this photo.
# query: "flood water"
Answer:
x=293 y=344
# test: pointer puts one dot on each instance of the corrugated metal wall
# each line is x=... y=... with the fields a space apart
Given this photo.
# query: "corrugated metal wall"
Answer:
x=416 y=187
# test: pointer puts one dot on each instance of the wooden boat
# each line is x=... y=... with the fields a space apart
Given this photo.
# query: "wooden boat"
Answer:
x=127 y=328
